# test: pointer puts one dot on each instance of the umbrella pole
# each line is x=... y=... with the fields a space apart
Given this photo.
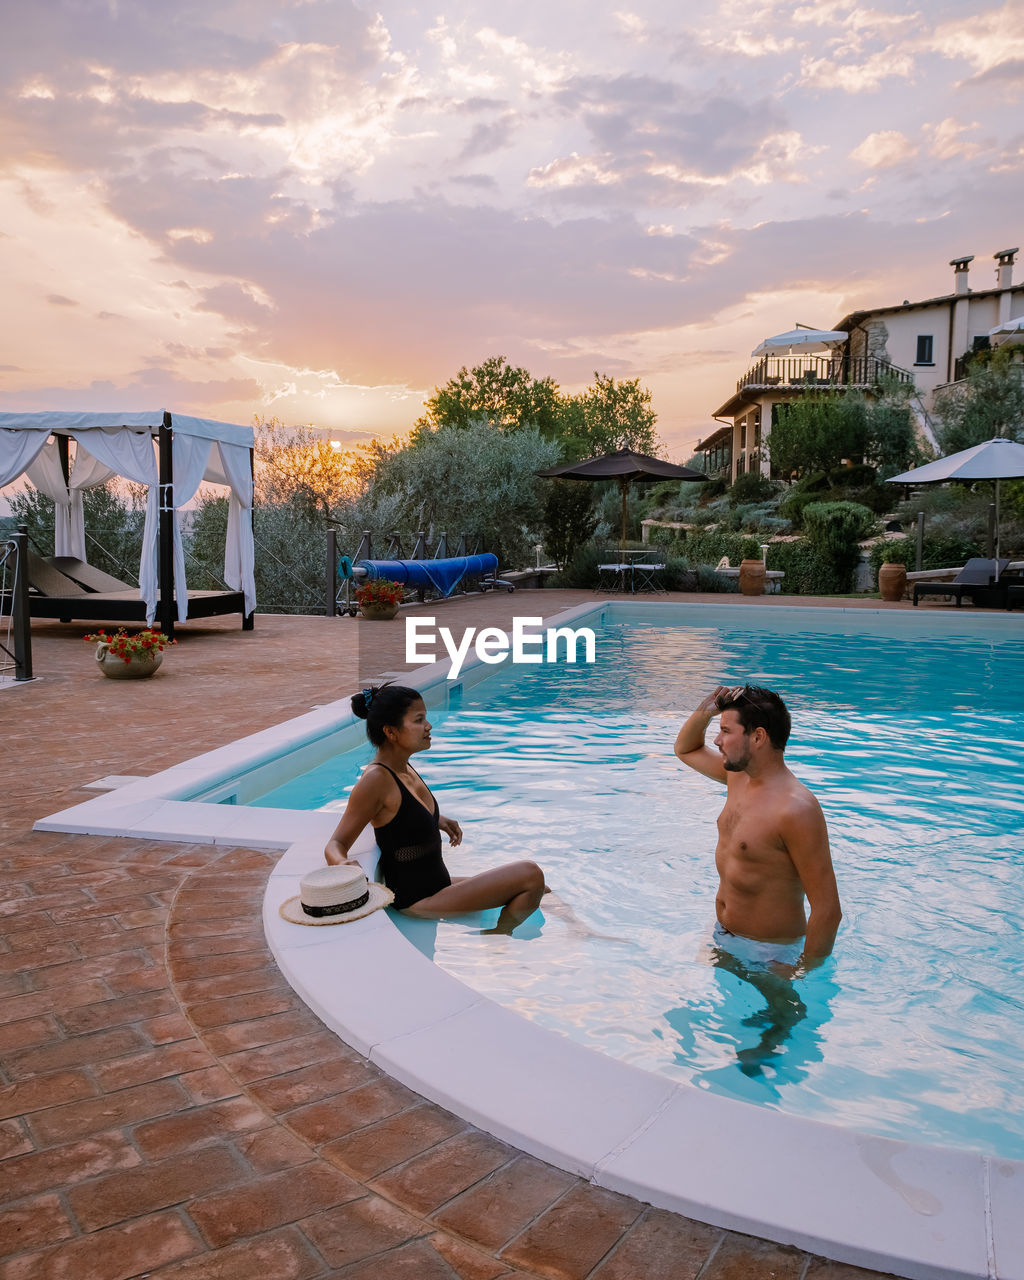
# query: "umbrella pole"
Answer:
x=624 y=485
x=997 y=530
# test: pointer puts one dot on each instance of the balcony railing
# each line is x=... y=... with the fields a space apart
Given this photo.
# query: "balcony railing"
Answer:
x=821 y=371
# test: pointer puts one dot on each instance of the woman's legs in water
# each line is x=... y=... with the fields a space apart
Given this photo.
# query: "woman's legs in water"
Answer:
x=517 y=888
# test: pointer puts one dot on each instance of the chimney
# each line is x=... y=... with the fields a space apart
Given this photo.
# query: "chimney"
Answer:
x=1004 y=267
x=960 y=267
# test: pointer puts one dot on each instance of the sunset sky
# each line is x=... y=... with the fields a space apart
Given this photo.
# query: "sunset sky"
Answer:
x=319 y=209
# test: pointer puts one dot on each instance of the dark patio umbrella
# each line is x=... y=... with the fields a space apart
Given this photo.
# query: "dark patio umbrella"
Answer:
x=624 y=466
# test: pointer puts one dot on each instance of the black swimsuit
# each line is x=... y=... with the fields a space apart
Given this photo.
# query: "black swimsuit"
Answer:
x=410 y=849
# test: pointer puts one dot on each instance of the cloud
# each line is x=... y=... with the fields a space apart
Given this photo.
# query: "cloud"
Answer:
x=866 y=76
x=883 y=150
x=156 y=386
x=655 y=142
x=59 y=300
x=488 y=138
x=986 y=41
x=1010 y=71
x=945 y=141
x=339 y=205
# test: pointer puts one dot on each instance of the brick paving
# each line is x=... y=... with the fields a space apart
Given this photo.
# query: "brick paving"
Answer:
x=168 y=1107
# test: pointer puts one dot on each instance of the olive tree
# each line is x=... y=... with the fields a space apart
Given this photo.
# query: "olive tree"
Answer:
x=472 y=479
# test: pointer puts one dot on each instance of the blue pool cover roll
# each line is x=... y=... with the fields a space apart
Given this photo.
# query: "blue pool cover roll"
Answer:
x=442 y=575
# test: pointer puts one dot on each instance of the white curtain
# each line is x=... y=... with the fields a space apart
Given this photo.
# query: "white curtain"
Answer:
x=47 y=475
x=239 y=552
x=17 y=450
x=86 y=473
x=189 y=455
x=131 y=454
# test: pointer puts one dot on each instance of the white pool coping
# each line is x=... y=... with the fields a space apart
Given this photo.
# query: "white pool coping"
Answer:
x=925 y=1212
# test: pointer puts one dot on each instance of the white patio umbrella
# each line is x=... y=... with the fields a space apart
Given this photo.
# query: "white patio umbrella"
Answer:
x=799 y=341
x=1008 y=329
x=997 y=459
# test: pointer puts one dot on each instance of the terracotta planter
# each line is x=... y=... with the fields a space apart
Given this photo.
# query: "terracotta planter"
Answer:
x=892 y=581
x=752 y=577
x=378 y=612
x=139 y=666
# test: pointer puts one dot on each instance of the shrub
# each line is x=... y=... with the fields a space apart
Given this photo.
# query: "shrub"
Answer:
x=938 y=552
x=795 y=503
x=894 y=551
x=857 y=474
x=678 y=576
x=709 y=580
x=808 y=570
x=837 y=527
x=833 y=530
x=879 y=498
x=581 y=571
x=757 y=518
x=708 y=548
x=713 y=488
x=751 y=488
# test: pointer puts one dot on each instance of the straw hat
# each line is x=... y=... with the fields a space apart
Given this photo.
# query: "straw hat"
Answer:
x=335 y=895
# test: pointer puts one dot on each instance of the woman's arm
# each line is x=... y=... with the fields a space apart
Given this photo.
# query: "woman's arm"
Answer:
x=451 y=828
x=366 y=803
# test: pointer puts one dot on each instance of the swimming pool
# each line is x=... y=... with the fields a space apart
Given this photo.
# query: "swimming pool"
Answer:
x=913 y=1029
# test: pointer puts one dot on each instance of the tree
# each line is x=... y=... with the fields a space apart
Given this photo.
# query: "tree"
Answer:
x=608 y=416
x=115 y=513
x=815 y=432
x=821 y=429
x=469 y=479
x=569 y=519
x=892 y=445
x=297 y=465
x=506 y=396
x=989 y=402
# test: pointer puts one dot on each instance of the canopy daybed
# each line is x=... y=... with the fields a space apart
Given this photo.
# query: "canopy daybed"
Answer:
x=172 y=456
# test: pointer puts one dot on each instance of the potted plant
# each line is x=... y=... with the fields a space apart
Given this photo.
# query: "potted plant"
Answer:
x=125 y=657
x=379 y=598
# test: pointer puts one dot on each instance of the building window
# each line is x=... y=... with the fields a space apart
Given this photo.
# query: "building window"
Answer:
x=925 y=349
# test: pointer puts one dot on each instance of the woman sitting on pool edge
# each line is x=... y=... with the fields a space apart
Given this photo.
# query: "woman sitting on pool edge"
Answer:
x=392 y=797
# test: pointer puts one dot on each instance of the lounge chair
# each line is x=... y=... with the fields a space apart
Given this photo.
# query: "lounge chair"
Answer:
x=979 y=575
x=87 y=575
x=56 y=594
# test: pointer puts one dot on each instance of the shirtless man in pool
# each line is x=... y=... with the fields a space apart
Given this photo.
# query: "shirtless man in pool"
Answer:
x=772 y=839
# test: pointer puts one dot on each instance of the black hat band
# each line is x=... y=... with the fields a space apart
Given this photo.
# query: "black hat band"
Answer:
x=339 y=908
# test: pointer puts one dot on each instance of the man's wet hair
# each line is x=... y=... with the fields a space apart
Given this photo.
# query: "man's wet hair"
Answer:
x=759 y=708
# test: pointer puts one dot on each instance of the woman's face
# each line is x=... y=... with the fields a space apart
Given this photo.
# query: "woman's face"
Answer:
x=413 y=734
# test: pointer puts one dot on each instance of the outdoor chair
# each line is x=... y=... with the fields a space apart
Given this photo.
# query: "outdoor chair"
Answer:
x=612 y=576
x=645 y=575
x=978 y=576
x=87 y=575
x=45 y=579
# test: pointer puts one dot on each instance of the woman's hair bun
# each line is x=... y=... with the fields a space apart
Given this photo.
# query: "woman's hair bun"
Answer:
x=359 y=706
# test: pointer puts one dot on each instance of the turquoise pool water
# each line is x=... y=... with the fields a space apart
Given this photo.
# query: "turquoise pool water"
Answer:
x=908 y=731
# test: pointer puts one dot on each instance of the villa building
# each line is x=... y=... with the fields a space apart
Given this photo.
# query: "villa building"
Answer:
x=921 y=343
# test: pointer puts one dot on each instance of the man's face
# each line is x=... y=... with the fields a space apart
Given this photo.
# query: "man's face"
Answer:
x=732 y=742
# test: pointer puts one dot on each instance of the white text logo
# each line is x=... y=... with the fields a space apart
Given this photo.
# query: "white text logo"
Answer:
x=530 y=641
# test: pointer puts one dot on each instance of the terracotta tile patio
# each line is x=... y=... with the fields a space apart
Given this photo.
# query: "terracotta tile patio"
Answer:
x=168 y=1107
